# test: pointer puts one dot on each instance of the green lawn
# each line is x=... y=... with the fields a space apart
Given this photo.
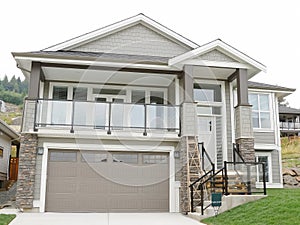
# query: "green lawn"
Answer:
x=282 y=207
x=6 y=218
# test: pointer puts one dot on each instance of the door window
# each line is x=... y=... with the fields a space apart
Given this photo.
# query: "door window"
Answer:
x=59 y=108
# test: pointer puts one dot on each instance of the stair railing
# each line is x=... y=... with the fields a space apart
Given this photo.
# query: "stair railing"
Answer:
x=236 y=152
x=204 y=154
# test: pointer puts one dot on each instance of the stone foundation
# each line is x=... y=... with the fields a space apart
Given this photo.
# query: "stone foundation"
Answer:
x=26 y=176
x=246 y=147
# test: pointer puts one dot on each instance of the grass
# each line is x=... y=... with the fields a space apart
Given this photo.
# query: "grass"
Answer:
x=6 y=218
x=280 y=207
x=290 y=152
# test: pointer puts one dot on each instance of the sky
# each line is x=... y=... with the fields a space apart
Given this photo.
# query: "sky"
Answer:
x=267 y=31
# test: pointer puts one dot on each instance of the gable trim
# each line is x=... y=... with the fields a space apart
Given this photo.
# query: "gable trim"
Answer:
x=116 y=27
x=222 y=47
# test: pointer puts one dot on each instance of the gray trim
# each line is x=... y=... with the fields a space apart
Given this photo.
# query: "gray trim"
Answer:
x=188 y=84
x=242 y=87
x=34 y=82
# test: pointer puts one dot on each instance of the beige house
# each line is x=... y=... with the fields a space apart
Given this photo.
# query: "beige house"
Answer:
x=123 y=119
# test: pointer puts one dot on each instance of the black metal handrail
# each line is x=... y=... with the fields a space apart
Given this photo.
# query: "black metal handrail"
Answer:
x=171 y=114
x=204 y=154
x=236 y=151
x=210 y=177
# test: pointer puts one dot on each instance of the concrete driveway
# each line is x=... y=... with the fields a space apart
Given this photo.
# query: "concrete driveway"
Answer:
x=103 y=219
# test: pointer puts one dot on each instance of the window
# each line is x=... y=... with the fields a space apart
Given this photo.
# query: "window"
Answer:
x=60 y=93
x=63 y=156
x=155 y=159
x=125 y=158
x=263 y=159
x=260 y=110
x=90 y=157
x=207 y=93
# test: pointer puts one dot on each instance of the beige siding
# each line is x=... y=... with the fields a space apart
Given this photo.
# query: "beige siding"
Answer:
x=135 y=40
x=216 y=55
x=264 y=137
x=28 y=117
x=37 y=182
x=228 y=120
x=5 y=143
x=276 y=167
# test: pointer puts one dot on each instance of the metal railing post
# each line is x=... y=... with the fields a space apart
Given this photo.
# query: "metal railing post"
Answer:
x=35 y=116
x=202 y=199
x=248 y=180
x=192 y=198
x=226 y=178
x=180 y=110
x=145 y=120
x=72 y=117
x=109 y=118
x=264 y=178
x=202 y=153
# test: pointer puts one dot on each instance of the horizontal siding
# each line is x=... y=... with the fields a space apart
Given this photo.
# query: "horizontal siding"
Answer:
x=264 y=137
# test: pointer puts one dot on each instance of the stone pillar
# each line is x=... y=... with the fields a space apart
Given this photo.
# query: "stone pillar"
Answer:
x=184 y=189
x=26 y=176
x=243 y=118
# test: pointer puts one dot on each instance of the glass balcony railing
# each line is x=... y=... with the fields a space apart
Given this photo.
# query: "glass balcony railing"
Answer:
x=107 y=116
x=289 y=125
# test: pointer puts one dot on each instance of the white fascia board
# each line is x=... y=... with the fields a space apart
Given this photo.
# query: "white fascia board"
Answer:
x=117 y=26
x=282 y=93
x=217 y=44
x=95 y=63
x=215 y=64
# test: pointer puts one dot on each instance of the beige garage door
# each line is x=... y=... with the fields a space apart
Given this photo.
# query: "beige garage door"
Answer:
x=93 y=181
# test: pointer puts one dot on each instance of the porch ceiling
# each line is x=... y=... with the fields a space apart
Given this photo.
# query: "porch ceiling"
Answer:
x=212 y=72
x=106 y=76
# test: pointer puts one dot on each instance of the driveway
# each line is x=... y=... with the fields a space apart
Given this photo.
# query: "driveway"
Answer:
x=103 y=219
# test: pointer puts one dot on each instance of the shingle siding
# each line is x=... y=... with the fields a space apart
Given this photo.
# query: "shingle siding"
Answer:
x=136 y=40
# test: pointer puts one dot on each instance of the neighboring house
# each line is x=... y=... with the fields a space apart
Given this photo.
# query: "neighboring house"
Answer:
x=8 y=138
x=2 y=106
x=113 y=120
x=289 y=121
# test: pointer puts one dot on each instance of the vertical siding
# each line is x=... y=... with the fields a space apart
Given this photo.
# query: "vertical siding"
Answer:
x=219 y=142
x=228 y=121
x=5 y=143
x=37 y=182
x=276 y=167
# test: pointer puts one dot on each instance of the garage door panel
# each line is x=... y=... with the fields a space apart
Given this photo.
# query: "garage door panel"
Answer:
x=105 y=184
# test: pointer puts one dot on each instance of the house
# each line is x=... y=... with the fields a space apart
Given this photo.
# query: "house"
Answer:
x=126 y=118
x=289 y=121
x=9 y=144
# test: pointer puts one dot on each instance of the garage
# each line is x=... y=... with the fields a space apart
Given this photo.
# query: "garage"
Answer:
x=103 y=181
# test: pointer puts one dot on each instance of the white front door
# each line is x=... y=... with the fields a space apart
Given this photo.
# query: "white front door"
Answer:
x=207 y=135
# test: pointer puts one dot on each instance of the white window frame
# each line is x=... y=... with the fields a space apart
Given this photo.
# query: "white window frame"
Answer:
x=269 y=155
x=261 y=111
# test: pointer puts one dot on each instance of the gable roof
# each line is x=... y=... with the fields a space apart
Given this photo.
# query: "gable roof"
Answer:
x=223 y=47
x=8 y=130
x=140 y=18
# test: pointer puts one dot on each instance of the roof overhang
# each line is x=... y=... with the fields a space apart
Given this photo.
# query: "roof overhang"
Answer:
x=4 y=128
x=241 y=59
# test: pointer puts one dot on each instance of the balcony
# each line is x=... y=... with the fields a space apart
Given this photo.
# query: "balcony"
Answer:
x=293 y=126
x=106 y=116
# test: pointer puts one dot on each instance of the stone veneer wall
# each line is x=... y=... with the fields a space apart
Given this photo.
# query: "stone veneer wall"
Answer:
x=246 y=147
x=26 y=176
x=184 y=189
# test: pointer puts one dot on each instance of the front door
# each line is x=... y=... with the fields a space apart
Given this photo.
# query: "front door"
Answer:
x=207 y=135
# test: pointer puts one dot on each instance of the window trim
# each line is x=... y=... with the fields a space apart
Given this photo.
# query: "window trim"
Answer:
x=269 y=155
x=271 y=128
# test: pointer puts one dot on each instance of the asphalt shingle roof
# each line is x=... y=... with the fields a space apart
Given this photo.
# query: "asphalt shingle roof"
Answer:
x=252 y=84
x=288 y=110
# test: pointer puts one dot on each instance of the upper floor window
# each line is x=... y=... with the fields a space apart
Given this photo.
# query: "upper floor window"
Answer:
x=207 y=92
x=260 y=110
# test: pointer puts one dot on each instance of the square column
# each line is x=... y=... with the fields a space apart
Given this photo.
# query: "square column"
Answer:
x=243 y=118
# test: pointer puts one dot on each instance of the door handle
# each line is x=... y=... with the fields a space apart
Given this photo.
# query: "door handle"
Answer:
x=210 y=126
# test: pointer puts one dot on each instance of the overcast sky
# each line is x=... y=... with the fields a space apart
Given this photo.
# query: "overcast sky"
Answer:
x=268 y=31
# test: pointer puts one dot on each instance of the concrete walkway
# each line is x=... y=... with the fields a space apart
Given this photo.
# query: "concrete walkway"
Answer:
x=102 y=219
